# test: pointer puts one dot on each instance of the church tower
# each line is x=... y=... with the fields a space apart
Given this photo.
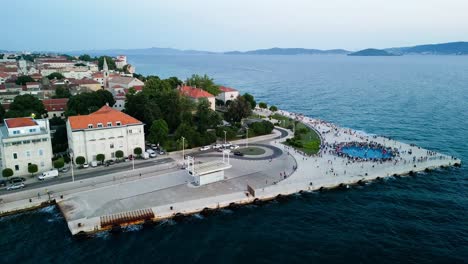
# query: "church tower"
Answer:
x=105 y=73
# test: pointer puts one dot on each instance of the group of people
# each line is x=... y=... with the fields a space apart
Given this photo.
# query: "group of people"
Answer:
x=387 y=153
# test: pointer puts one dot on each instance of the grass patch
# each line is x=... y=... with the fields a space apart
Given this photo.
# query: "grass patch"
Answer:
x=305 y=140
x=252 y=151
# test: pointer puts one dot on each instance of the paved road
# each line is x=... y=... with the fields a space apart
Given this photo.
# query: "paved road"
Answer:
x=92 y=172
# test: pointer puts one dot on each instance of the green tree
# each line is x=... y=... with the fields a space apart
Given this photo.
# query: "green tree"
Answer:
x=59 y=163
x=25 y=105
x=262 y=105
x=158 y=132
x=86 y=103
x=85 y=57
x=80 y=160
x=238 y=109
x=2 y=113
x=249 y=98
x=101 y=158
x=55 y=75
x=32 y=168
x=7 y=172
x=22 y=80
x=119 y=154
x=137 y=151
x=203 y=115
x=60 y=139
x=61 y=92
x=110 y=62
x=204 y=82
x=273 y=108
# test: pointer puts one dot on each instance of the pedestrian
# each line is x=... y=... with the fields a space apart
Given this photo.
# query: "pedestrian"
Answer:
x=38 y=196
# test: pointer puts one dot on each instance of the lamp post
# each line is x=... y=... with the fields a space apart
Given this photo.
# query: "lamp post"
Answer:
x=71 y=165
x=247 y=137
x=133 y=161
x=224 y=136
x=183 y=148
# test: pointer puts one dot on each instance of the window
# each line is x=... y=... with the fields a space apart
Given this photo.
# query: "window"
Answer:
x=32 y=130
x=99 y=124
x=44 y=139
x=117 y=123
x=112 y=145
x=15 y=155
x=109 y=124
x=113 y=155
x=26 y=142
x=28 y=153
x=16 y=132
x=41 y=152
x=42 y=164
x=90 y=126
x=16 y=167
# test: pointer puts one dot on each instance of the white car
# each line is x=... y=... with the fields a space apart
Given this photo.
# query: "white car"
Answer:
x=15 y=186
x=227 y=145
x=152 y=155
x=204 y=148
x=216 y=146
x=234 y=147
x=86 y=165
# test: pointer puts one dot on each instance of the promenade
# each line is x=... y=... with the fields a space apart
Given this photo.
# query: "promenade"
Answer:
x=164 y=190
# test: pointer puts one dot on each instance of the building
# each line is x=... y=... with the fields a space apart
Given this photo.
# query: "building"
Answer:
x=3 y=77
x=55 y=107
x=88 y=83
x=196 y=94
x=227 y=94
x=25 y=141
x=120 y=61
x=124 y=82
x=104 y=132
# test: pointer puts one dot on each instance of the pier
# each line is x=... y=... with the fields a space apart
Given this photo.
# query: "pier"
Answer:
x=281 y=170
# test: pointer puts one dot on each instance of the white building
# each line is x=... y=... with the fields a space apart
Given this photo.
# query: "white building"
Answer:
x=124 y=82
x=195 y=94
x=120 y=61
x=104 y=132
x=227 y=94
x=25 y=141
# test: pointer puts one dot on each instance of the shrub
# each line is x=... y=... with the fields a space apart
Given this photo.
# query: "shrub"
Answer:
x=32 y=168
x=101 y=158
x=119 y=154
x=80 y=160
x=137 y=151
x=7 y=172
x=59 y=163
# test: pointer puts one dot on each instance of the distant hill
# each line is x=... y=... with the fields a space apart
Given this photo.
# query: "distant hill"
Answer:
x=288 y=51
x=371 y=52
x=451 y=48
x=147 y=51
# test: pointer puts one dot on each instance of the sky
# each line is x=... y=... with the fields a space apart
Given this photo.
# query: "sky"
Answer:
x=224 y=25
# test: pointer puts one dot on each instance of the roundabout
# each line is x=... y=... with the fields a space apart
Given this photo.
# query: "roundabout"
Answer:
x=252 y=151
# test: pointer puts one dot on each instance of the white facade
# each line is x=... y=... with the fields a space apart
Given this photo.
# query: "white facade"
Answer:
x=24 y=145
x=227 y=94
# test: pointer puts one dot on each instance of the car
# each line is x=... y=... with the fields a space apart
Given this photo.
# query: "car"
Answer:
x=3 y=183
x=227 y=145
x=16 y=179
x=238 y=153
x=94 y=164
x=204 y=148
x=154 y=147
x=16 y=186
x=48 y=175
x=86 y=165
x=219 y=150
x=234 y=147
x=152 y=155
x=64 y=169
x=216 y=146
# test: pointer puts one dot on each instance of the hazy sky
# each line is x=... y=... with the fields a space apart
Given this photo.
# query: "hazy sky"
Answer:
x=220 y=25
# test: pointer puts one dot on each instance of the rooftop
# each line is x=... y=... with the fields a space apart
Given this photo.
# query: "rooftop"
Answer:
x=59 y=104
x=227 y=89
x=102 y=116
x=20 y=122
x=194 y=92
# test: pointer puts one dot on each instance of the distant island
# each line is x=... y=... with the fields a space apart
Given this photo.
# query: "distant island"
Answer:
x=371 y=52
x=451 y=48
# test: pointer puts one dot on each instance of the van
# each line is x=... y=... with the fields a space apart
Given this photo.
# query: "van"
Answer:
x=94 y=164
x=48 y=175
x=146 y=155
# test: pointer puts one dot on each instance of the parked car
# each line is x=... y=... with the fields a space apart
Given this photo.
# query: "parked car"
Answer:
x=145 y=155
x=234 y=147
x=86 y=165
x=3 y=183
x=219 y=150
x=154 y=147
x=153 y=155
x=204 y=148
x=65 y=169
x=216 y=146
x=238 y=153
x=227 y=145
x=94 y=164
x=16 y=186
x=110 y=162
x=16 y=179
x=48 y=175
x=162 y=152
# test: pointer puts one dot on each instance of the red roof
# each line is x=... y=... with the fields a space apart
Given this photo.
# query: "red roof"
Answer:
x=59 y=104
x=4 y=75
x=117 y=86
x=32 y=83
x=98 y=75
x=103 y=115
x=227 y=89
x=85 y=81
x=20 y=122
x=194 y=92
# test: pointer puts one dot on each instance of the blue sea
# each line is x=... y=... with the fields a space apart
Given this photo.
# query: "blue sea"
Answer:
x=415 y=219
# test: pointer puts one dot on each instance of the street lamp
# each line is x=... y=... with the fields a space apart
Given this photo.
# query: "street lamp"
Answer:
x=71 y=165
x=247 y=137
x=225 y=137
x=183 y=148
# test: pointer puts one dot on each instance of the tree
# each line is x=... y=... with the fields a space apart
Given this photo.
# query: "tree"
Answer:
x=80 y=160
x=55 y=75
x=60 y=139
x=203 y=115
x=249 y=98
x=158 y=132
x=32 y=168
x=85 y=57
x=101 y=158
x=110 y=62
x=238 y=109
x=22 y=80
x=2 y=113
x=119 y=154
x=7 y=172
x=25 y=105
x=273 y=108
x=61 y=92
x=59 y=163
x=261 y=128
x=138 y=151
x=86 y=103
x=204 y=82
x=262 y=105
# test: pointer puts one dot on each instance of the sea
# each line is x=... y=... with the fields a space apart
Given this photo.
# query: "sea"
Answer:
x=415 y=219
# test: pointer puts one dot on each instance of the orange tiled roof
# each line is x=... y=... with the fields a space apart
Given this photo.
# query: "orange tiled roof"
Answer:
x=59 y=104
x=20 y=122
x=227 y=89
x=103 y=115
x=194 y=92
